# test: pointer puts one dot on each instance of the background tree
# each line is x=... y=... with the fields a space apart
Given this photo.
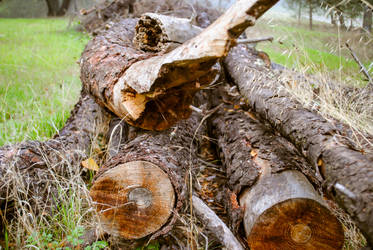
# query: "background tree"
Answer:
x=367 y=19
x=57 y=8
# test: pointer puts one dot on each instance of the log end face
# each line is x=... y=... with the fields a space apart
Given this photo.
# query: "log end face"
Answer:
x=296 y=224
x=133 y=199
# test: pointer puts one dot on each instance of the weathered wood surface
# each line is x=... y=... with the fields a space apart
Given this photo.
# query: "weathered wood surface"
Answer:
x=215 y=224
x=348 y=172
x=281 y=208
x=156 y=32
x=32 y=164
x=156 y=92
x=154 y=164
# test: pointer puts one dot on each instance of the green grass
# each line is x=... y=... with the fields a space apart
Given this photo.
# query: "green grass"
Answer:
x=321 y=49
x=39 y=76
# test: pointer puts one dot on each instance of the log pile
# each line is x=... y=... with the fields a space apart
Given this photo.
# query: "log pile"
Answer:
x=160 y=79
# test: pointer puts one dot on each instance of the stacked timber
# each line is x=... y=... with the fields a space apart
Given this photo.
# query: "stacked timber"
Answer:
x=147 y=72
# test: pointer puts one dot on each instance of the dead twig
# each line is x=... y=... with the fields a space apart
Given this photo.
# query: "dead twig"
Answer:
x=362 y=67
x=215 y=224
x=257 y=40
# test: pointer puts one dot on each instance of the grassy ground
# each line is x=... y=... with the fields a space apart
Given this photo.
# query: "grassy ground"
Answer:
x=39 y=77
x=323 y=48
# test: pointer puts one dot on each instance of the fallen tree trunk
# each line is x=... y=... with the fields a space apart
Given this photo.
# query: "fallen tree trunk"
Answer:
x=140 y=191
x=30 y=167
x=348 y=172
x=156 y=92
x=281 y=208
x=156 y=33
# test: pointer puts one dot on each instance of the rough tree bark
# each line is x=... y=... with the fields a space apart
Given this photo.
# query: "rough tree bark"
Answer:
x=141 y=189
x=346 y=171
x=281 y=208
x=32 y=164
x=156 y=92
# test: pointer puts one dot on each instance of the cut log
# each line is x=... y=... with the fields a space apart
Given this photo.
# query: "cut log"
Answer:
x=34 y=164
x=156 y=32
x=346 y=170
x=140 y=190
x=156 y=92
x=281 y=208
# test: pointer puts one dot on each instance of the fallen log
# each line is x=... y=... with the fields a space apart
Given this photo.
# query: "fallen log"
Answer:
x=140 y=190
x=156 y=33
x=347 y=172
x=282 y=210
x=30 y=167
x=156 y=92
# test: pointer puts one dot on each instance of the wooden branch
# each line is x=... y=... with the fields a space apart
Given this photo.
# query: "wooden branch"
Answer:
x=258 y=40
x=362 y=67
x=140 y=190
x=156 y=92
x=318 y=140
x=215 y=224
x=156 y=32
x=281 y=208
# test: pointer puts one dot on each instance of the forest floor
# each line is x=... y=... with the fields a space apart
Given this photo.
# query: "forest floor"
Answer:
x=39 y=84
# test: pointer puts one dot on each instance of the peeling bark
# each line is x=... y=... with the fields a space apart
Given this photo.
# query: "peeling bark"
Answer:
x=348 y=172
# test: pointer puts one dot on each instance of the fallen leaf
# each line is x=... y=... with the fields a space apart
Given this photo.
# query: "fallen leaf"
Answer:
x=90 y=164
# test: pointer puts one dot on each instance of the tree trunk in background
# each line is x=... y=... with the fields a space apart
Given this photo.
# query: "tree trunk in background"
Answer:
x=332 y=19
x=299 y=12
x=310 y=12
x=367 y=19
x=342 y=21
x=64 y=7
x=52 y=7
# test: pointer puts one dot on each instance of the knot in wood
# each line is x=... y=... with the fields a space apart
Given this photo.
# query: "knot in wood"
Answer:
x=142 y=197
x=300 y=233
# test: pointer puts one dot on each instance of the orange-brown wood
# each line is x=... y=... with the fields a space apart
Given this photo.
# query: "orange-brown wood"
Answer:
x=296 y=224
x=133 y=199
